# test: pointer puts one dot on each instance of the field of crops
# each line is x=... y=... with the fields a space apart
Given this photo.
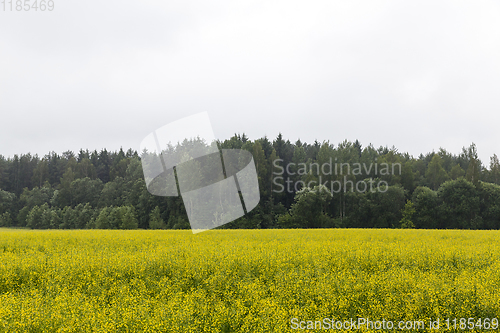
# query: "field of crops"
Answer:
x=245 y=281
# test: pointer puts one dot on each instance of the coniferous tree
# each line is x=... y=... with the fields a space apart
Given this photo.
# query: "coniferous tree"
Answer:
x=494 y=172
x=436 y=174
x=155 y=220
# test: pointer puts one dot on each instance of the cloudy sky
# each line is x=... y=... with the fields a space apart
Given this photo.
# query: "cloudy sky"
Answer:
x=103 y=74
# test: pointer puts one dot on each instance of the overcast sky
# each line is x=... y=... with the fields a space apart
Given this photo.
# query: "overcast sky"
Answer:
x=103 y=74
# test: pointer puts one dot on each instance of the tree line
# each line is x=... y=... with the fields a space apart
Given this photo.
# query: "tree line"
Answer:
x=106 y=190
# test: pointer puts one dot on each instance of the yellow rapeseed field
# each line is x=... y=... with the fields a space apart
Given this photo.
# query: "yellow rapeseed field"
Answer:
x=249 y=281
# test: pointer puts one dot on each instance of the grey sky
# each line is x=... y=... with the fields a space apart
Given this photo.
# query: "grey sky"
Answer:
x=103 y=74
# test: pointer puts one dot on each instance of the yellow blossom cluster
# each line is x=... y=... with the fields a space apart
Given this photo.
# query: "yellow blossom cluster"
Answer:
x=244 y=280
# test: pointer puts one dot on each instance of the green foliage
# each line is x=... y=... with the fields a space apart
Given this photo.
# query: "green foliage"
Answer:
x=34 y=218
x=6 y=201
x=489 y=195
x=180 y=223
x=68 y=217
x=474 y=165
x=377 y=209
x=113 y=193
x=127 y=217
x=408 y=211
x=83 y=215
x=107 y=190
x=309 y=209
x=425 y=203
x=435 y=173
x=155 y=220
x=22 y=216
x=5 y=220
x=459 y=207
x=102 y=221
x=457 y=172
x=494 y=172
x=37 y=196
x=86 y=191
